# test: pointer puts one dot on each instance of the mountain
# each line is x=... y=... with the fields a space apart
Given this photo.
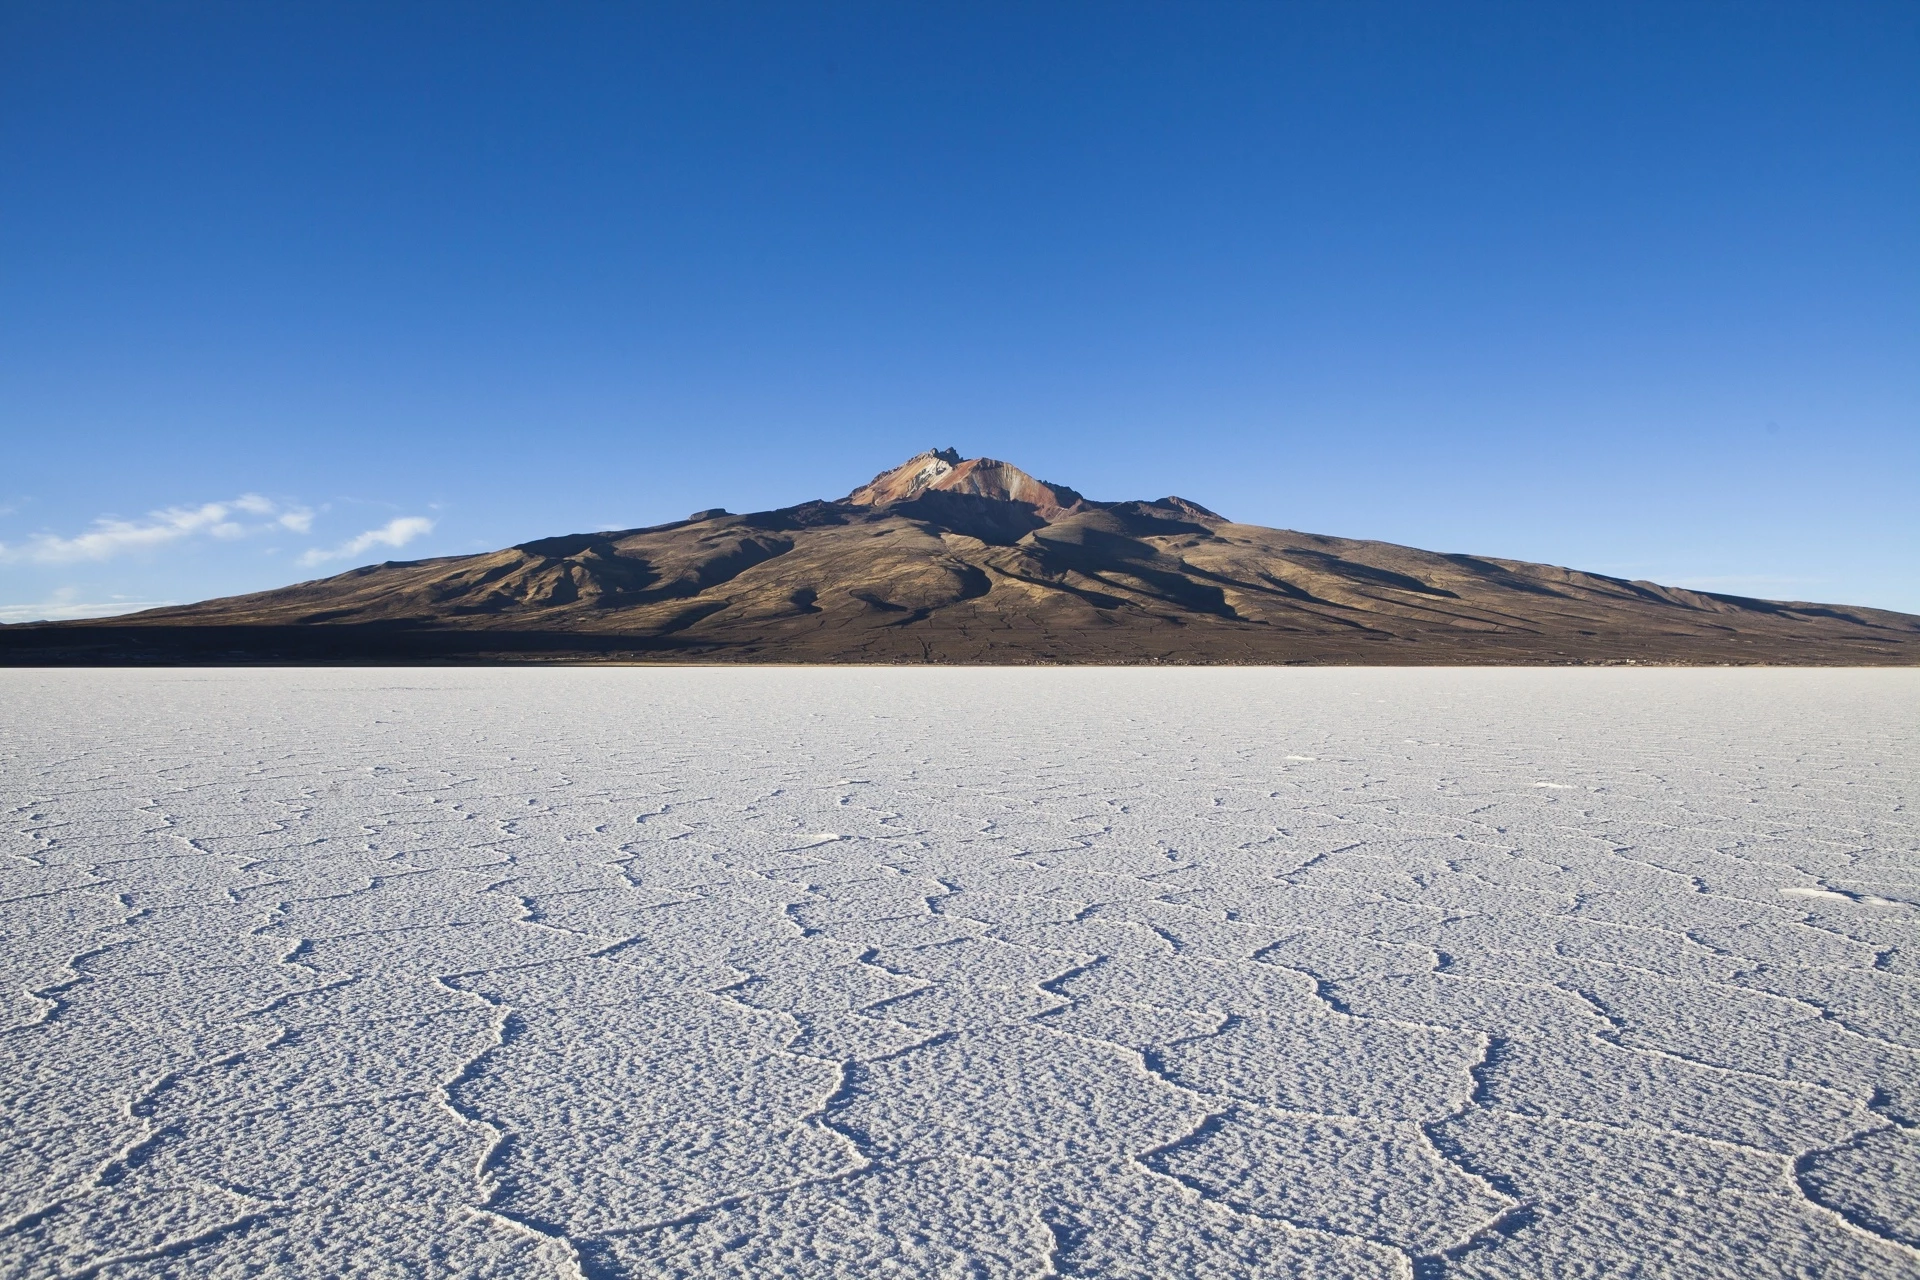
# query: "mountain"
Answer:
x=972 y=560
x=945 y=471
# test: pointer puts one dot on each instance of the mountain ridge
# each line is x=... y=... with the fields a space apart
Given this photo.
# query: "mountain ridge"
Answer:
x=952 y=559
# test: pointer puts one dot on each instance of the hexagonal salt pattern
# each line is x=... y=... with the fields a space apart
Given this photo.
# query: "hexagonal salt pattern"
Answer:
x=968 y=973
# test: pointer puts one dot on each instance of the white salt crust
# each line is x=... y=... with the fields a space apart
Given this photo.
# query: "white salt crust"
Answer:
x=935 y=972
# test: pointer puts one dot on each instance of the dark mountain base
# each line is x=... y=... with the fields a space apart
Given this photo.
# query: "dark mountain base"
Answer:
x=101 y=645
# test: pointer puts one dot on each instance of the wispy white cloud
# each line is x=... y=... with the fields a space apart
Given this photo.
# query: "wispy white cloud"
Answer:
x=66 y=605
x=237 y=518
x=397 y=532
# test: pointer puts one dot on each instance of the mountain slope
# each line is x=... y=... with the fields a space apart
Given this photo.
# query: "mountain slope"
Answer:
x=945 y=559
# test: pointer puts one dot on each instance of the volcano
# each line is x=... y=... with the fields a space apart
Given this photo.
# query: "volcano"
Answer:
x=948 y=559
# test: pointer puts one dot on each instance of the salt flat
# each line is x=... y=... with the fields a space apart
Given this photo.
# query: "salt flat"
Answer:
x=938 y=972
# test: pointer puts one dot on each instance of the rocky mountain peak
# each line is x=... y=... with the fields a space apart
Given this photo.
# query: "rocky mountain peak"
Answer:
x=945 y=471
x=920 y=472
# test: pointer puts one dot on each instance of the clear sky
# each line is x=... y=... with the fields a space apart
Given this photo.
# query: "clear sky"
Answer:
x=290 y=287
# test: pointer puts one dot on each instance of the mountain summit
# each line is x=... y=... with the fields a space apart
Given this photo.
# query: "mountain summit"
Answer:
x=945 y=471
x=971 y=560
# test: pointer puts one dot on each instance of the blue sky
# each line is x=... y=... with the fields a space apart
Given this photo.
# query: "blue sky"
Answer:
x=288 y=288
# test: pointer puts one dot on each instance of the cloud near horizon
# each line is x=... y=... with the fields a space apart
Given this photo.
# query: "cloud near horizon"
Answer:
x=66 y=606
x=110 y=537
x=397 y=532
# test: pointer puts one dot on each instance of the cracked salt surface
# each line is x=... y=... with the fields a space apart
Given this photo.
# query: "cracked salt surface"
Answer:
x=594 y=973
